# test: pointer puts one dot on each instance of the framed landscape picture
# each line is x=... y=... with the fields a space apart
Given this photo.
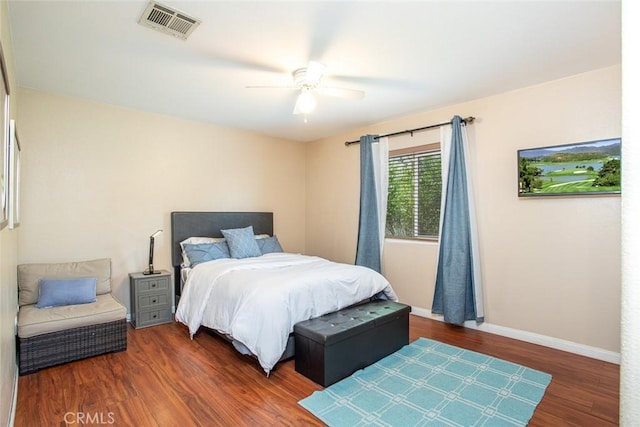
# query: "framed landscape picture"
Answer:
x=584 y=168
x=14 y=176
x=4 y=142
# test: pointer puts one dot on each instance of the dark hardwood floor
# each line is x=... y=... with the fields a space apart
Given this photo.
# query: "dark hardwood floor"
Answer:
x=166 y=379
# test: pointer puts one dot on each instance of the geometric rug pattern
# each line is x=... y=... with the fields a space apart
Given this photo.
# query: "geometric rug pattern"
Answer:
x=428 y=383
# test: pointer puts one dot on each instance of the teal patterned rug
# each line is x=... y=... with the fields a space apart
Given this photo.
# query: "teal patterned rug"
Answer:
x=431 y=383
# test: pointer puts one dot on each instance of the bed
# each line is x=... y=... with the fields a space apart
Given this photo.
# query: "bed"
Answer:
x=255 y=301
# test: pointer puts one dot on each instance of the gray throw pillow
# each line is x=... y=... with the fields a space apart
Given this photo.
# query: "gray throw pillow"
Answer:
x=203 y=252
x=242 y=242
x=269 y=245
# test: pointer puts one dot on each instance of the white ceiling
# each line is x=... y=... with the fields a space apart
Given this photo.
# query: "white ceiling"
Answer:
x=407 y=56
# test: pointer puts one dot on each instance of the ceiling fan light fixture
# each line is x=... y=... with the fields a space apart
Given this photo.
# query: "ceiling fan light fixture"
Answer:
x=308 y=77
x=308 y=80
x=306 y=102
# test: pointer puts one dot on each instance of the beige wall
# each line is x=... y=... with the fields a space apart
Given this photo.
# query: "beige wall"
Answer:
x=100 y=179
x=8 y=259
x=551 y=265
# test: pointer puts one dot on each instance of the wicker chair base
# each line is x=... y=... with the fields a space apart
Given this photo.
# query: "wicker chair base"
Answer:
x=51 y=349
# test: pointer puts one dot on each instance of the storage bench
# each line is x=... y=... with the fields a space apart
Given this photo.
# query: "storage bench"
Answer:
x=332 y=347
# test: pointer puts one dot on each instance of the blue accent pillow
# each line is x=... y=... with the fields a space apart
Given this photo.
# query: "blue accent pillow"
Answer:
x=269 y=245
x=242 y=242
x=203 y=252
x=57 y=292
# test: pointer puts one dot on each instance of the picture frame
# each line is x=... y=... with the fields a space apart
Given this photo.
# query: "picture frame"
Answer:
x=4 y=153
x=579 y=169
x=14 y=176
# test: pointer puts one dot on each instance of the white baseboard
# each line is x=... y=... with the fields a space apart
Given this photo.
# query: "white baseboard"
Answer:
x=14 y=399
x=547 y=341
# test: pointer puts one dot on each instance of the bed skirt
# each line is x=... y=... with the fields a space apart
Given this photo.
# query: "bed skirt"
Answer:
x=51 y=349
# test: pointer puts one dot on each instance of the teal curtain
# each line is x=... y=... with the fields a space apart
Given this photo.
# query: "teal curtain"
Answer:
x=458 y=292
x=368 y=248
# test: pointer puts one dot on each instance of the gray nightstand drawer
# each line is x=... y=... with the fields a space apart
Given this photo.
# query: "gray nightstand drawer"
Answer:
x=146 y=301
x=154 y=317
x=154 y=284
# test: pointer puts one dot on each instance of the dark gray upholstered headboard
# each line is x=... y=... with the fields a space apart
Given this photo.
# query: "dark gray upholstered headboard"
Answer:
x=209 y=224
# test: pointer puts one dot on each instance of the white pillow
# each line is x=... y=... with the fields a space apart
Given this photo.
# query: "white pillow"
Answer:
x=195 y=241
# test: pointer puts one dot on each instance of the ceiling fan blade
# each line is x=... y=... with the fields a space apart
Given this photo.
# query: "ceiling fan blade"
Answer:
x=340 y=92
x=272 y=87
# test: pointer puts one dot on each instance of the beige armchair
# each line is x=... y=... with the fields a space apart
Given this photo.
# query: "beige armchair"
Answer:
x=66 y=332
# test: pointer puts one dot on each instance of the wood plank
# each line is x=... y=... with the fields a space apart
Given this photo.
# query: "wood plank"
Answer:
x=165 y=379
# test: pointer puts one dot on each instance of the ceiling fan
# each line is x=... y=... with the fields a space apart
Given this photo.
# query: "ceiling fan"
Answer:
x=308 y=80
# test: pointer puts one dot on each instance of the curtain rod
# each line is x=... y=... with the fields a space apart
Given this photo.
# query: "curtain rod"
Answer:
x=466 y=121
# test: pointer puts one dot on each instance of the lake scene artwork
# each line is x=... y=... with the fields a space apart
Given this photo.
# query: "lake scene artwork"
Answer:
x=585 y=168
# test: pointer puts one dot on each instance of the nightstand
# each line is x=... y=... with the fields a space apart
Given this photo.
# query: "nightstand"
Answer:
x=150 y=299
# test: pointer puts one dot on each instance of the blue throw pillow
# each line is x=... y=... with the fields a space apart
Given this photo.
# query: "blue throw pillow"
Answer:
x=242 y=242
x=269 y=245
x=203 y=252
x=57 y=292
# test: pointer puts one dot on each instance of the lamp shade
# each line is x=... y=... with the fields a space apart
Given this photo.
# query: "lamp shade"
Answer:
x=306 y=102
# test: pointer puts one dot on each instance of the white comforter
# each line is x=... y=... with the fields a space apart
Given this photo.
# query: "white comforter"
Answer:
x=257 y=301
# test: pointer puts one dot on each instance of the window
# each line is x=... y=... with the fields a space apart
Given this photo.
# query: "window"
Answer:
x=415 y=188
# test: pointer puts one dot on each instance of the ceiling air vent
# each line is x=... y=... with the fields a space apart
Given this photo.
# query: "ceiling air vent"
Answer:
x=168 y=20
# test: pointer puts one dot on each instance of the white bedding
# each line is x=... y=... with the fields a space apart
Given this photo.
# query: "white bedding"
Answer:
x=257 y=300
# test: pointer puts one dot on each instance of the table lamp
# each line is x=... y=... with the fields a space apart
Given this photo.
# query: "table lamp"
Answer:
x=151 y=239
